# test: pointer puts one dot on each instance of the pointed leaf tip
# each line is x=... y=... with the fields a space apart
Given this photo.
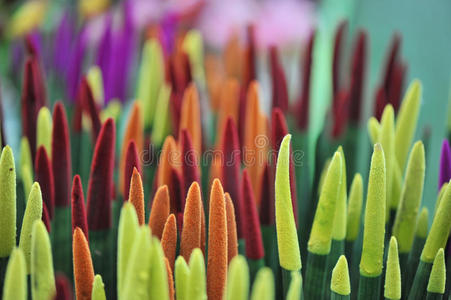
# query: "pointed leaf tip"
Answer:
x=393 y=272
x=7 y=202
x=322 y=227
x=437 y=278
x=238 y=279
x=98 y=289
x=287 y=238
x=340 y=282
x=374 y=224
x=15 y=284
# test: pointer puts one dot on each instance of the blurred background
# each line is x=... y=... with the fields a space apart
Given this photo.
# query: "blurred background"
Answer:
x=67 y=35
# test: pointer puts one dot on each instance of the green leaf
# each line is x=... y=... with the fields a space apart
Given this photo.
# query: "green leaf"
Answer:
x=437 y=279
x=127 y=234
x=440 y=228
x=158 y=287
x=407 y=121
x=161 y=124
x=98 y=289
x=15 y=285
x=354 y=208
x=387 y=140
x=411 y=195
x=136 y=280
x=374 y=224
x=393 y=273
x=237 y=279
x=33 y=212
x=42 y=276
x=321 y=235
x=374 y=129
x=7 y=202
x=340 y=282
x=287 y=237
x=339 y=226
x=151 y=77
x=44 y=130
x=422 y=225
x=182 y=273
x=295 y=288
x=197 y=286
x=263 y=287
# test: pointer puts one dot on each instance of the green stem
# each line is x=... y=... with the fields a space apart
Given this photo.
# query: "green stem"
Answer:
x=335 y=296
x=62 y=240
x=336 y=249
x=241 y=246
x=315 y=277
x=420 y=282
x=254 y=266
x=414 y=259
x=349 y=249
x=3 y=264
x=100 y=242
x=434 y=296
x=369 y=288
x=448 y=276
x=403 y=264
x=20 y=202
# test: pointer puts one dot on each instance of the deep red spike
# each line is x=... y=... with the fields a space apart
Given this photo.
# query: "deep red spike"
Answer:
x=190 y=165
x=45 y=217
x=279 y=83
x=357 y=77
x=101 y=178
x=395 y=92
x=44 y=175
x=89 y=105
x=381 y=101
x=187 y=70
x=231 y=170
x=78 y=207
x=131 y=161
x=391 y=61
x=78 y=115
x=63 y=287
x=278 y=128
x=336 y=62
x=267 y=213
x=177 y=196
x=30 y=45
x=61 y=156
x=340 y=114
x=251 y=223
x=175 y=106
x=304 y=100
x=250 y=72
x=31 y=101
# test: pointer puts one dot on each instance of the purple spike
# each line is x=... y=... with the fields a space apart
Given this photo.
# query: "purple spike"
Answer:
x=63 y=42
x=75 y=64
x=445 y=164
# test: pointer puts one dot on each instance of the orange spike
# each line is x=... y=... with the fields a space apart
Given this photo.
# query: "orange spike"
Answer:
x=232 y=239
x=229 y=105
x=137 y=195
x=191 y=232
x=168 y=161
x=169 y=239
x=159 y=211
x=134 y=131
x=217 y=243
x=190 y=117
x=170 y=280
x=83 y=269
x=233 y=55
x=214 y=78
x=255 y=142
x=203 y=231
